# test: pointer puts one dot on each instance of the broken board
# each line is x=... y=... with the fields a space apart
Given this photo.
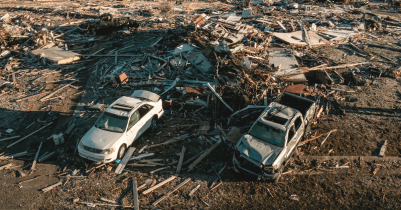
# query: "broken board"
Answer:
x=298 y=39
x=289 y=65
x=125 y=160
x=200 y=62
x=57 y=55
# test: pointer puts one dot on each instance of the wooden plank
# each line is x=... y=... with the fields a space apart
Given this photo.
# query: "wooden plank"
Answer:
x=10 y=138
x=32 y=96
x=316 y=137
x=46 y=189
x=36 y=157
x=194 y=190
x=29 y=135
x=192 y=166
x=135 y=193
x=58 y=90
x=217 y=95
x=108 y=200
x=172 y=191
x=158 y=185
x=105 y=204
x=125 y=160
x=385 y=47
x=176 y=139
x=383 y=149
x=57 y=55
x=181 y=160
x=5 y=166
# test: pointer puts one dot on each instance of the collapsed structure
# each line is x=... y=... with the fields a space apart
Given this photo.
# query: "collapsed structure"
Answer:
x=216 y=68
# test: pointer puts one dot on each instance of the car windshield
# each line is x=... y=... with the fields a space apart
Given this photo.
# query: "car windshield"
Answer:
x=268 y=134
x=111 y=122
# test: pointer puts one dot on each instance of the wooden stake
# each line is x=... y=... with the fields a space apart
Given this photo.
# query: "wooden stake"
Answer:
x=192 y=166
x=194 y=190
x=181 y=160
x=36 y=157
x=29 y=135
x=135 y=194
x=169 y=193
x=158 y=185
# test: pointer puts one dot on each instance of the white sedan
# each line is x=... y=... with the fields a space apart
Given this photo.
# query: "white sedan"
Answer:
x=119 y=125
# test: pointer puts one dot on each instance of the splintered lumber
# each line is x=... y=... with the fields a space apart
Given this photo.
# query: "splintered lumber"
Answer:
x=36 y=157
x=108 y=200
x=158 y=185
x=307 y=40
x=176 y=139
x=28 y=180
x=159 y=169
x=325 y=138
x=316 y=137
x=104 y=204
x=193 y=158
x=194 y=190
x=169 y=193
x=46 y=189
x=217 y=95
x=181 y=160
x=385 y=47
x=58 y=90
x=216 y=186
x=192 y=166
x=10 y=138
x=29 y=97
x=5 y=166
x=101 y=165
x=29 y=135
x=135 y=194
x=383 y=149
x=125 y=160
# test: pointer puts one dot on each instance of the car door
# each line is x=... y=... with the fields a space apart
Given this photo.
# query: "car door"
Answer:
x=294 y=134
x=133 y=127
x=146 y=112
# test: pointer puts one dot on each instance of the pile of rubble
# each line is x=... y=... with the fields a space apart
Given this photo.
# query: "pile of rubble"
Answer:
x=217 y=68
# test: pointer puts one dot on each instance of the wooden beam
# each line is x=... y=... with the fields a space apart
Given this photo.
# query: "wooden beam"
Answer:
x=36 y=157
x=28 y=97
x=316 y=137
x=46 y=189
x=10 y=138
x=176 y=139
x=192 y=166
x=181 y=160
x=125 y=160
x=135 y=194
x=169 y=193
x=5 y=166
x=105 y=204
x=217 y=95
x=58 y=90
x=158 y=185
x=385 y=47
x=29 y=135
x=194 y=190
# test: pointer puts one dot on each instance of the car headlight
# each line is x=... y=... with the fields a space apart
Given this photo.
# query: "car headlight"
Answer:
x=108 y=151
x=268 y=169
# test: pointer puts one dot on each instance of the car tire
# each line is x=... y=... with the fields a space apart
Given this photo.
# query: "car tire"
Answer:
x=121 y=151
x=153 y=124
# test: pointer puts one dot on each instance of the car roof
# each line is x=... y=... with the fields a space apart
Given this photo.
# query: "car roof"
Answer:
x=124 y=106
x=278 y=116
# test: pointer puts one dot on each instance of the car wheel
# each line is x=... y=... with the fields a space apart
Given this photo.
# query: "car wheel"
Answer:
x=153 y=124
x=121 y=151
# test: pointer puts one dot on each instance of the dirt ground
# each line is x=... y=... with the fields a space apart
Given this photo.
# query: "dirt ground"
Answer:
x=372 y=115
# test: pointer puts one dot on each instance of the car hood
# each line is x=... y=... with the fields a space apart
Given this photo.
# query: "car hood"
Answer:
x=100 y=139
x=258 y=150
